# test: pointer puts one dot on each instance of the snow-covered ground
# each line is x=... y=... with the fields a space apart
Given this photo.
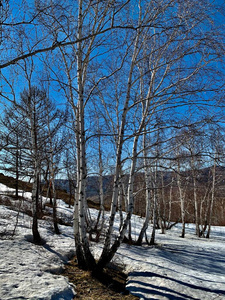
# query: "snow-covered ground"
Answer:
x=175 y=269
x=29 y=271
x=178 y=268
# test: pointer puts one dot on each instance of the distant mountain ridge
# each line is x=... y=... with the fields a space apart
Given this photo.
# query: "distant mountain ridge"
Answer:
x=92 y=185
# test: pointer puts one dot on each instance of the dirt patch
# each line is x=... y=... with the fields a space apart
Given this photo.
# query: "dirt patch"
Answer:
x=111 y=285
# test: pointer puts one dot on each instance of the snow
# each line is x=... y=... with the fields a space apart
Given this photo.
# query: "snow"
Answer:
x=178 y=268
x=175 y=268
x=29 y=271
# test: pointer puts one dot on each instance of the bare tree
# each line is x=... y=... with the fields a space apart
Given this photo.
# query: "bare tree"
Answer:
x=168 y=47
x=12 y=146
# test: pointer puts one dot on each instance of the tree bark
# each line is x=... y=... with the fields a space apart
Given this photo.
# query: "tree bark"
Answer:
x=35 y=205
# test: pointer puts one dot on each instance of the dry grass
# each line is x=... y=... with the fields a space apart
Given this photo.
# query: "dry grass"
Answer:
x=109 y=286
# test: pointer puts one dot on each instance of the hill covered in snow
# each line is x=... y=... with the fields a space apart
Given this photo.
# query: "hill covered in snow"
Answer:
x=174 y=268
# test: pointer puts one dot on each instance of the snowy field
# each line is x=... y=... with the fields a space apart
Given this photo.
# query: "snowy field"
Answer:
x=175 y=269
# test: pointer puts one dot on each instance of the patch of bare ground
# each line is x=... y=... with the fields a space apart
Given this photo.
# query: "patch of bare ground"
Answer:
x=109 y=286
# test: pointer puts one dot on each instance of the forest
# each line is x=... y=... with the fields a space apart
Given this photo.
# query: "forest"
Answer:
x=121 y=98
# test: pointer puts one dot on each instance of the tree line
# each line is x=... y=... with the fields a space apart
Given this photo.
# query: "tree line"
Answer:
x=133 y=89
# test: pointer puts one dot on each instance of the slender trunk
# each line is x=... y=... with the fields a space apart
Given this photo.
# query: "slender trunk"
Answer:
x=101 y=213
x=130 y=188
x=147 y=215
x=197 y=230
x=36 y=165
x=212 y=199
x=155 y=195
x=35 y=205
x=170 y=205
x=50 y=194
x=182 y=207
x=152 y=241
x=147 y=194
x=76 y=219
x=17 y=177
x=49 y=191
x=108 y=253
x=82 y=176
x=84 y=255
x=163 y=215
x=182 y=199
x=17 y=167
x=204 y=204
x=70 y=191
x=78 y=245
x=55 y=219
x=120 y=199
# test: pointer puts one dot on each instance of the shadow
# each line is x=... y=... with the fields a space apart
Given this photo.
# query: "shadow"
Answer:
x=66 y=235
x=191 y=261
x=151 y=290
x=208 y=260
x=183 y=283
x=29 y=238
x=61 y=257
x=64 y=259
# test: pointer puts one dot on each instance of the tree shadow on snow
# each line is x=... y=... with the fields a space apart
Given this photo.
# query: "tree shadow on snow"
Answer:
x=207 y=261
x=145 y=288
x=202 y=260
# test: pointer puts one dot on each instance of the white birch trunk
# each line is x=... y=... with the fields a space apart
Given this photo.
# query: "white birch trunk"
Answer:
x=170 y=204
x=101 y=213
x=182 y=200
x=152 y=240
x=147 y=194
x=84 y=255
x=106 y=250
x=212 y=198
x=163 y=216
x=197 y=229
x=120 y=200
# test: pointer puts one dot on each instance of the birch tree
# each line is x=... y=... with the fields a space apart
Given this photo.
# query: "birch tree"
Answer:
x=173 y=38
x=169 y=81
x=148 y=192
x=217 y=145
x=182 y=186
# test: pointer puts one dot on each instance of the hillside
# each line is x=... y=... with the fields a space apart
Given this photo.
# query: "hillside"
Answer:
x=167 y=194
x=174 y=268
x=171 y=196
